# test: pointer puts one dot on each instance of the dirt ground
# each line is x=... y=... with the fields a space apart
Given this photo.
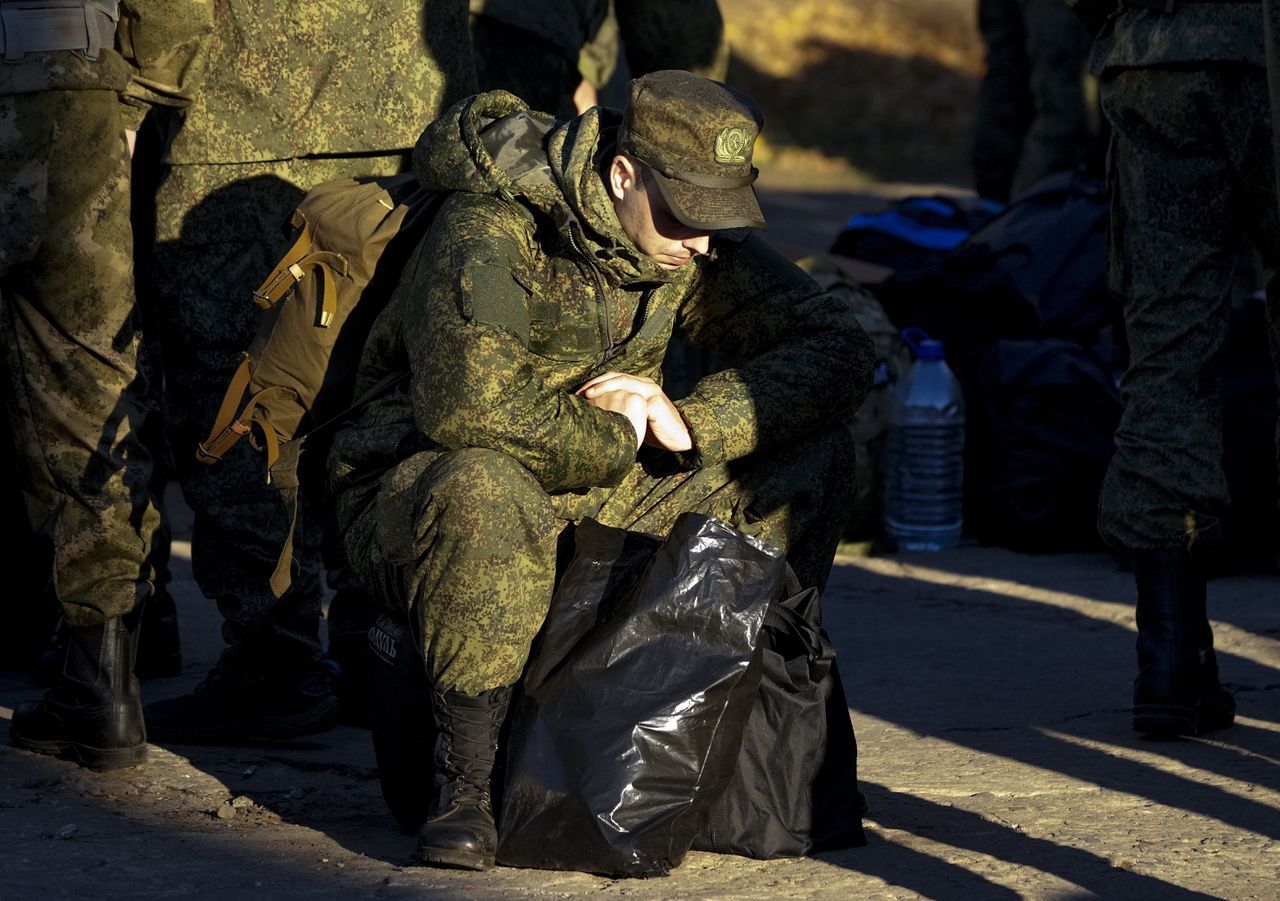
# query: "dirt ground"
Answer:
x=988 y=690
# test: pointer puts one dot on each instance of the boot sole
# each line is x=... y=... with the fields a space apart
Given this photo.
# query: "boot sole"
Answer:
x=85 y=755
x=1168 y=720
x=320 y=718
x=1165 y=720
x=454 y=860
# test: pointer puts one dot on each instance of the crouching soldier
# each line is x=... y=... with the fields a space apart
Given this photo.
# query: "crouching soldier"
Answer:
x=533 y=321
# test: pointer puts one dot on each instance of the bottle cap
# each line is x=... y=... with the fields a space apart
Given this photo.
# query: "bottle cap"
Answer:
x=924 y=347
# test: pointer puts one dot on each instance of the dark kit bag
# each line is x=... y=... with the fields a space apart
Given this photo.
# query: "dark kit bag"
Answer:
x=629 y=720
x=795 y=790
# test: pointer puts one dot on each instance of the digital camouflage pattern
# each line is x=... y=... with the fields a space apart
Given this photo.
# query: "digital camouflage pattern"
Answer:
x=452 y=492
x=302 y=78
x=295 y=94
x=1193 y=175
x=154 y=62
x=72 y=392
x=1196 y=33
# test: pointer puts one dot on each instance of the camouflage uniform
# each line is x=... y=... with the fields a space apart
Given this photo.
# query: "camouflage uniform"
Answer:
x=66 y=274
x=535 y=50
x=1033 y=116
x=1192 y=173
x=296 y=94
x=454 y=492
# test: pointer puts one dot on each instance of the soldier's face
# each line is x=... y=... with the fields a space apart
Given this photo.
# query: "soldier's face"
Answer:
x=648 y=221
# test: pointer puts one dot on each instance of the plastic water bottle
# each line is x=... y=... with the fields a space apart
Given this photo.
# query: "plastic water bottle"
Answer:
x=924 y=453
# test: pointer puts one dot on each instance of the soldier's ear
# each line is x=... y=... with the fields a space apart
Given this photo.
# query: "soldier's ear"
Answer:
x=622 y=177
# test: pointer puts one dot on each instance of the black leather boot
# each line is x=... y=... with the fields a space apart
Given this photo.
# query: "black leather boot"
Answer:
x=1176 y=691
x=460 y=831
x=93 y=713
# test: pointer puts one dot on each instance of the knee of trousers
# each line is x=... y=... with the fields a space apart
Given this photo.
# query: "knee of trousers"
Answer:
x=481 y=496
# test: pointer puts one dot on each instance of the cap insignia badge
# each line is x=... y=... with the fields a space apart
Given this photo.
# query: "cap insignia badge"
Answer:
x=732 y=144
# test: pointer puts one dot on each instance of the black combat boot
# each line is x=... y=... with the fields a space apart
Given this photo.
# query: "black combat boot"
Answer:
x=1176 y=691
x=225 y=711
x=93 y=713
x=460 y=831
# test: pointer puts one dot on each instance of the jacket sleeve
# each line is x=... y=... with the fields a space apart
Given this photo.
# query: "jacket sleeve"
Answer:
x=474 y=380
x=801 y=362
x=161 y=40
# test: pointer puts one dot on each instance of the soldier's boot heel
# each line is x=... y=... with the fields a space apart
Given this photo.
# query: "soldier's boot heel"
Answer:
x=1176 y=691
x=460 y=830
x=93 y=713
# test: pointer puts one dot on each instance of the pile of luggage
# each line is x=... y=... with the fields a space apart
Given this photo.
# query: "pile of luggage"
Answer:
x=1018 y=296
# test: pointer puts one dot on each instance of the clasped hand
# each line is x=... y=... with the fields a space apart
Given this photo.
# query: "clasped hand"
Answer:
x=652 y=414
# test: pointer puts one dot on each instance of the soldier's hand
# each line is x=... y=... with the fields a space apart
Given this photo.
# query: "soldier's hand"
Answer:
x=628 y=403
x=665 y=427
x=585 y=97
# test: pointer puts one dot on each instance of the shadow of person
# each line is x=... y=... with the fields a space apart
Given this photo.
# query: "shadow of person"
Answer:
x=1005 y=677
x=897 y=864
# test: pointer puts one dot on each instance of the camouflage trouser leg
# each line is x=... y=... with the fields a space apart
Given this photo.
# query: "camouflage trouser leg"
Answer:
x=219 y=232
x=70 y=346
x=469 y=541
x=1191 y=169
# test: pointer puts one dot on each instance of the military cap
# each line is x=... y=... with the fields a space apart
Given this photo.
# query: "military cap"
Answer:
x=696 y=136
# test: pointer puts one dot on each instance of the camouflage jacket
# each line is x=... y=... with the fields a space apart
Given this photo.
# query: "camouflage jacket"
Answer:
x=1193 y=33
x=152 y=63
x=293 y=78
x=526 y=286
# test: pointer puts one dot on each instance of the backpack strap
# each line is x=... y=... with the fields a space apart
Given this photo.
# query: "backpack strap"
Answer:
x=230 y=426
x=293 y=267
x=282 y=472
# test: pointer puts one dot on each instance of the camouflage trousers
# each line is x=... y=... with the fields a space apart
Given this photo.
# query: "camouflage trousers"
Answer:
x=469 y=543
x=1192 y=171
x=72 y=392
x=219 y=232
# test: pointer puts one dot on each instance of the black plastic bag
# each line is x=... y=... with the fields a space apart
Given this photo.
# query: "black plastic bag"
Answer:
x=795 y=789
x=631 y=711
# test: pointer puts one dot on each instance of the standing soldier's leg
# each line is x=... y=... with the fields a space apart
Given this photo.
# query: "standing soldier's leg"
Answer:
x=465 y=543
x=73 y=401
x=219 y=233
x=1004 y=104
x=1171 y=260
x=1061 y=135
